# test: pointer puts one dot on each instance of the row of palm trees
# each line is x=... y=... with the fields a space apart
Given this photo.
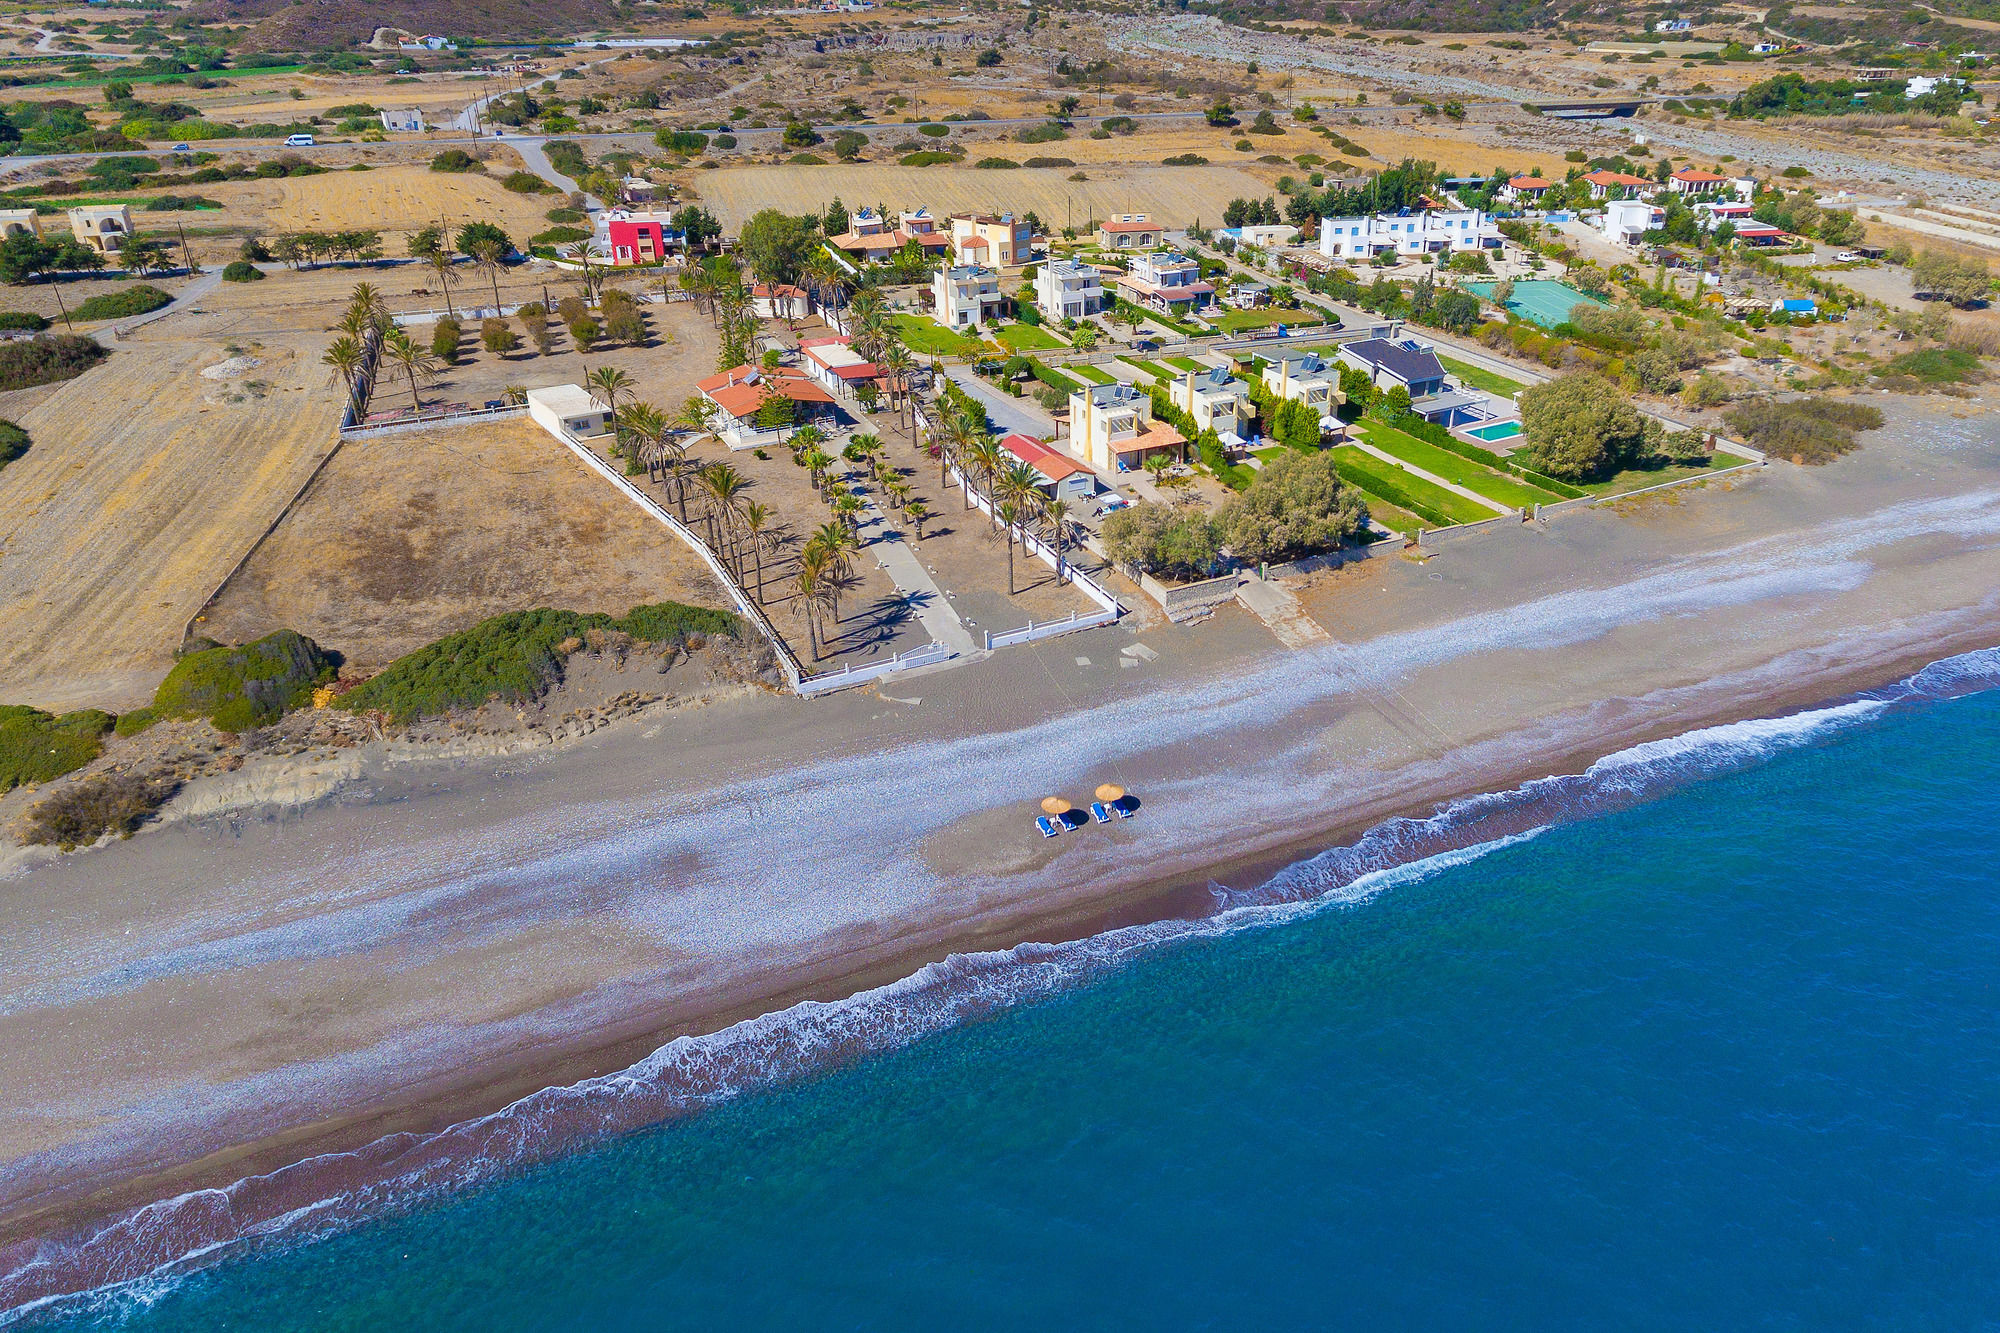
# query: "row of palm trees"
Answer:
x=366 y=317
x=962 y=439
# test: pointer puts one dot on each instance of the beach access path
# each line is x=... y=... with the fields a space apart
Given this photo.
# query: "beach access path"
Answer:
x=447 y=937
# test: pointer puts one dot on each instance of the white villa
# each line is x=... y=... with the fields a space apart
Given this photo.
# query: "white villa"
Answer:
x=1627 y=220
x=1165 y=281
x=1217 y=401
x=966 y=296
x=1065 y=289
x=1408 y=233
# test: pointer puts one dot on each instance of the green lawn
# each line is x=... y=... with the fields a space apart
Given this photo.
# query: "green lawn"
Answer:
x=927 y=337
x=1027 y=338
x=1238 y=320
x=1509 y=491
x=1638 y=479
x=1484 y=380
x=1185 y=363
x=1091 y=373
x=1390 y=517
x=1449 y=503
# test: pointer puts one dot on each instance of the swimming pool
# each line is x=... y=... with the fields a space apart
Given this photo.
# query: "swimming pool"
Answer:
x=1499 y=430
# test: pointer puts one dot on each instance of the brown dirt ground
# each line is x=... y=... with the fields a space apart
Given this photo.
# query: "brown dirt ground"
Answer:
x=406 y=538
x=146 y=482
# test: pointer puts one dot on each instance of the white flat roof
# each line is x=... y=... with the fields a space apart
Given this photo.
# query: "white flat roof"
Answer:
x=835 y=355
x=565 y=399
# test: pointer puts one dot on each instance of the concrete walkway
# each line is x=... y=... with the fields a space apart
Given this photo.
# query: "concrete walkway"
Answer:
x=1010 y=414
x=1286 y=616
x=934 y=611
x=1361 y=443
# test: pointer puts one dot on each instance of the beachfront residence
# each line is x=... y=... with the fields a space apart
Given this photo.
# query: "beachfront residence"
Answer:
x=1526 y=189
x=1111 y=427
x=1617 y=185
x=568 y=409
x=870 y=235
x=1413 y=366
x=637 y=236
x=1626 y=221
x=1262 y=234
x=103 y=227
x=1309 y=378
x=1057 y=475
x=992 y=241
x=1247 y=294
x=1408 y=232
x=1217 y=401
x=835 y=364
x=780 y=301
x=1065 y=289
x=742 y=393
x=967 y=296
x=1130 y=231
x=1167 y=282
x=1695 y=183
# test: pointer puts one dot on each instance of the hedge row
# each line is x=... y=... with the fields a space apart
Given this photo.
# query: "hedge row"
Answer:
x=1369 y=484
x=1412 y=424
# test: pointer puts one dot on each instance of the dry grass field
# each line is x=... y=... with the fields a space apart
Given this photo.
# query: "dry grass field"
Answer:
x=147 y=481
x=402 y=199
x=405 y=538
x=1173 y=195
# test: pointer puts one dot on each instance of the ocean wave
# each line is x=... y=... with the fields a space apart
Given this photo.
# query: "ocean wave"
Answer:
x=136 y=1258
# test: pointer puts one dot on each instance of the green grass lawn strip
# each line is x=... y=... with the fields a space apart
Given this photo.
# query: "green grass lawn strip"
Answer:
x=1429 y=495
x=1464 y=472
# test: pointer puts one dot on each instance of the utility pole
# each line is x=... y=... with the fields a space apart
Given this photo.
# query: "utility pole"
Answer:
x=57 y=289
x=186 y=254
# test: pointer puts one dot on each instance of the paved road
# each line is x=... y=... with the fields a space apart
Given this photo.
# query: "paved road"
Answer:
x=192 y=293
x=1010 y=414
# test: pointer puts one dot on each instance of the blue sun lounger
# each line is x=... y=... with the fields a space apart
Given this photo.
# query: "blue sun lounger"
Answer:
x=1099 y=813
x=1123 y=810
x=1049 y=827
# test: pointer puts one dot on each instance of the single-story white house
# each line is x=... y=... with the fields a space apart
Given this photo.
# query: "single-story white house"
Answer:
x=568 y=409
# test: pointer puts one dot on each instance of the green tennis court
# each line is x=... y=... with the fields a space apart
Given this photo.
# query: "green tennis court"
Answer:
x=1542 y=300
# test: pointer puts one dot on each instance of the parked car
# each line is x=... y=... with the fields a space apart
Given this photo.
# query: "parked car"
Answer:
x=298 y=141
x=1847 y=257
x=1146 y=345
x=180 y=148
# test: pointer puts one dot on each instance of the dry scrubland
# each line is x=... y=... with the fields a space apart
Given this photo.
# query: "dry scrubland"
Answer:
x=1173 y=195
x=405 y=538
x=147 y=481
x=402 y=199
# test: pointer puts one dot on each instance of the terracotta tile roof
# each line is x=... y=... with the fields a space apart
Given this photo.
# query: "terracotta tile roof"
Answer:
x=742 y=390
x=1616 y=178
x=1531 y=183
x=1129 y=226
x=1041 y=458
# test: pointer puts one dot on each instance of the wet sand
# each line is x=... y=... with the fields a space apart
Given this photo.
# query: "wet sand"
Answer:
x=228 y=996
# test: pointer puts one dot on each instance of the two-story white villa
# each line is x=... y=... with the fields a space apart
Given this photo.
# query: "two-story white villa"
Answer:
x=1164 y=281
x=1408 y=233
x=1309 y=378
x=966 y=296
x=1217 y=401
x=1111 y=427
x=1626 y=221
x=1065 y=289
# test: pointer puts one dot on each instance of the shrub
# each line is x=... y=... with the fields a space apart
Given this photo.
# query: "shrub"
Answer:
x=37 y=746
x=497 y=336
x=138 y=299
x=725 y=141
x=1048 y=162
x=560 y=236
x=1177 y=544
x=444 y=340
x=806 y=160
x=928 y=159
x=1936 y=365
x=248 y=686
x=583 y=332
x=136 y=721
x=46 y=359
x=456 y=160
x=1805 y=430
x=114 y=803
x=242 y=270
x=686 y=143
x=934 y=131
x=1044 y=133
x=14 y=442
x=515 y=657
x=23 y=319
x=527 y=182
x=625 y=324
x=996 y=163
x=1184 y=160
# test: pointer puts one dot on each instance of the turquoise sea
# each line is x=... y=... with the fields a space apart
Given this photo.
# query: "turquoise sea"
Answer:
x=1719 y=1052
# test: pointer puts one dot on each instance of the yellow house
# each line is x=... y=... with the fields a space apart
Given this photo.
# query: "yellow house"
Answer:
x=1111 y=427
x=104 y=228
x=1309 y=378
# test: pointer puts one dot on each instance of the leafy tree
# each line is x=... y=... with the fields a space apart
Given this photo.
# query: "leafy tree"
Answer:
x=474 y=234
x=1580 y=427
x=1171 y=542
x=776 y=244
x=1295 y=506
x=1960 y=281
x=698 y=225
x=835 y=220
x=1220 y=113
x=25 y=256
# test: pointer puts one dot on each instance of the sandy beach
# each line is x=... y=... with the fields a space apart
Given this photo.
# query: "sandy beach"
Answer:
x=228 y=995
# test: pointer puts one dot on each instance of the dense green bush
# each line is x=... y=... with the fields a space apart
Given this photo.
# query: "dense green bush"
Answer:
x=1806 y=430
x=996 y=164
x=46 y=360
x=928 y=159
x=934 y=131
x=684 y=142
x=527 y=182
x=514 y=657
x=14 y=442
x=559 y=236
x=242 y=270
x=248 y=686
x=23 y=319
x=37 y=746
x=456 y=160
x=1184 y=160
x=137 y=299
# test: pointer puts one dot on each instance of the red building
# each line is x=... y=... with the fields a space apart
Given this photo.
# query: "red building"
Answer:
x=640 y=238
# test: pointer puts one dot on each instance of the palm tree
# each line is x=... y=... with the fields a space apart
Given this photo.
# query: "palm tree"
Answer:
x=605 y=384
x=345 y=356
x=917 y=512
x=414 y=361
x=1055 y=513
x=723 y=486
x=834 y=542
x=1018 y=482
x=897 y=367
x=809 y=592
x=757 y=526
x=487 y=254
x=1009 y=513
x=640 y=428
x=985 y=455
x=845 y=507
x=1156 y=465
x=434 y=253
x=817 y=461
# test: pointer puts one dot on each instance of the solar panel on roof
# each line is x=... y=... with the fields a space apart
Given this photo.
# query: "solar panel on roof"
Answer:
x=1218 y=376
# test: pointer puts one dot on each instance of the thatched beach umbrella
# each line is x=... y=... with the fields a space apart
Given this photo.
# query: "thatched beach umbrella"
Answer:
x=1055 y=805
x=1109 y=792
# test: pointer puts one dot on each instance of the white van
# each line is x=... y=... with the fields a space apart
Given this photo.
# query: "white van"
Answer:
x=298 y=141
